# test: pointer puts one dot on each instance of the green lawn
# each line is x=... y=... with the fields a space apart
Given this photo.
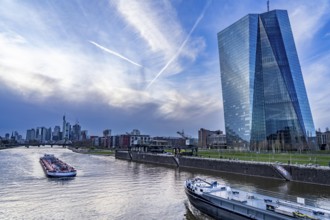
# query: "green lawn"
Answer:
x=100 y=152
x=96 y=151
x=322 y=159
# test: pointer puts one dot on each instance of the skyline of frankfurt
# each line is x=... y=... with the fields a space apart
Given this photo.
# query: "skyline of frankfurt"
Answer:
x=150 y=65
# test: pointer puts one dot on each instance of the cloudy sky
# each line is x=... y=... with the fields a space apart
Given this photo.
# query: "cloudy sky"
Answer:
x=147 y=64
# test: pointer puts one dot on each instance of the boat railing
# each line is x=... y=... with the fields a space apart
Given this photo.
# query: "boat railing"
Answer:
x=284 y=198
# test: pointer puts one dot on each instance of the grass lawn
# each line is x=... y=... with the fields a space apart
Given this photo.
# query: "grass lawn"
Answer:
x=95 y=151
x=101 y=152
x=321 y=159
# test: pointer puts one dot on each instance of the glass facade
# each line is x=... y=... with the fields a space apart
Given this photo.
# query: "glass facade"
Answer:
x=264 y=97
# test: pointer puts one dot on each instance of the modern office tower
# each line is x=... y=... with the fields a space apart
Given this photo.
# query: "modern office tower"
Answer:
x=264 y=96
x=68 y=131
x=30 y=135
x=38 y=133
x=64 y=135
x=48 y=136
x=43 y=134
x=76 y=132
x=84 y=135
x=56 y=133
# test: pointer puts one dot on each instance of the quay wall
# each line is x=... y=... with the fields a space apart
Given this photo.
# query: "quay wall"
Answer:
x=154 y=158
x=238 y=167
x=231 y=166
x=124 y=155
x=314 y=175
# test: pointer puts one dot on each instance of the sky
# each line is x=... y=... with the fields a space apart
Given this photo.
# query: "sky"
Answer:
x=151 y=65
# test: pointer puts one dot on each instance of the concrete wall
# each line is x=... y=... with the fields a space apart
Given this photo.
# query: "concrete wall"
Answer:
x=309 y=174
x=154 y=158
x=122 y=155
x=299 y=174
x=245 y=168
x=231 y=166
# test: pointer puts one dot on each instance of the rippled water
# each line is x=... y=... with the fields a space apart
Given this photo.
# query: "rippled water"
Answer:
x=107 y=188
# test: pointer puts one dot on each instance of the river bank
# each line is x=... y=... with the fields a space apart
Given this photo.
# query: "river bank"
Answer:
x=104 y=152
x=296 y=173
x=317 y=158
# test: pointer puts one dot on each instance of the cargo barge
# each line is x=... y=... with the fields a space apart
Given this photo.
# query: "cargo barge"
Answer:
x=54 y=167
x=222 y=202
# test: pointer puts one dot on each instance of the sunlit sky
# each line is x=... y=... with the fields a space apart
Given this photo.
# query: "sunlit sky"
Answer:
x=148 y=64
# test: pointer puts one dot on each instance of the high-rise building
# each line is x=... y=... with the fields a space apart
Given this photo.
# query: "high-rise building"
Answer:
x=84 y=135
x=48 y=136
x=30 y=135
x=76 y=132
x=264 y=96
x=64 y=134
x=43 y=134
x=67 y=135
x=56 y=133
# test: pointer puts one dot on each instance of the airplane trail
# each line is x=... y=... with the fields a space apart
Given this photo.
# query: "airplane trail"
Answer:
x=115 y=53
x=181 y=47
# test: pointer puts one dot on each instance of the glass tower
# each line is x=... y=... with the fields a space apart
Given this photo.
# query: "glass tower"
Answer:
x=264 y=96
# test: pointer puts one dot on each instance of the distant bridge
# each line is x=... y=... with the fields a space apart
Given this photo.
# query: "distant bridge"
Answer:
x=63 y=144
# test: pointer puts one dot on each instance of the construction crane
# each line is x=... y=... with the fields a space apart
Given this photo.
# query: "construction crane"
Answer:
x=182 y=134
x=188 y=139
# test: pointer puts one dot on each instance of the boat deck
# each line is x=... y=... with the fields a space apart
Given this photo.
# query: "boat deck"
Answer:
x=263 y=202
x=55 y=167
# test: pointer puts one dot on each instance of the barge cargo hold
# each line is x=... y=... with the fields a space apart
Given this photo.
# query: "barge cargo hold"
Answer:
x=54 y=167
x=222 y=202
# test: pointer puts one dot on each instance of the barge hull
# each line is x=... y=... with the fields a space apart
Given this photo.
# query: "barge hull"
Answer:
x=61 y=169
x=228 y=210
x=69 y=174
x=211 y=210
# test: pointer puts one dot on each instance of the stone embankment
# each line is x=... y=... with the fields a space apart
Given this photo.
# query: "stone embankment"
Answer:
x=315 y=175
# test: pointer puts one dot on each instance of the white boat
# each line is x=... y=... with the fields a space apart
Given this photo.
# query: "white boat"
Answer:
x=54 y=167
x=222 y=202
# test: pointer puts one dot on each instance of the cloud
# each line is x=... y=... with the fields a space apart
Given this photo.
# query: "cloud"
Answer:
x=316 y=74
x=156 y=24
x=44 y=55
x=200 y=17
x=307 y=19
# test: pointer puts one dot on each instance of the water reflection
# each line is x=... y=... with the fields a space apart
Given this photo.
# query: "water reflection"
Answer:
x=194 y=214
x=61 y=180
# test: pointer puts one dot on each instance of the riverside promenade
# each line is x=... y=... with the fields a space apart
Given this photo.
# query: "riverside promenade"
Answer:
x=296 y=173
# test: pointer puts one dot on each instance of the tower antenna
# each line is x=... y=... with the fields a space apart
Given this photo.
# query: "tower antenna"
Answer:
x=267 y=5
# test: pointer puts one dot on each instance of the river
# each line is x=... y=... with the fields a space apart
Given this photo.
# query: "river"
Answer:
x=108 y=188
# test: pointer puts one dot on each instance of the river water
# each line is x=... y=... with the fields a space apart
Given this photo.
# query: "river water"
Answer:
x=108 y=188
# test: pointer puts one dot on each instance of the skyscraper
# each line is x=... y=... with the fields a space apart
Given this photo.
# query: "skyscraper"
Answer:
x=64 y=134
x=264 y=96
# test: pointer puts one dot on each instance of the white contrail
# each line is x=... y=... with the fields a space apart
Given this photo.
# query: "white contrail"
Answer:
x=114 y=53
x=181 y=47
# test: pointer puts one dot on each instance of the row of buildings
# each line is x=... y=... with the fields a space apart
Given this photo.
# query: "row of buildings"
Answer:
x=49 y=135
x=134 y=139
x=74 y=134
